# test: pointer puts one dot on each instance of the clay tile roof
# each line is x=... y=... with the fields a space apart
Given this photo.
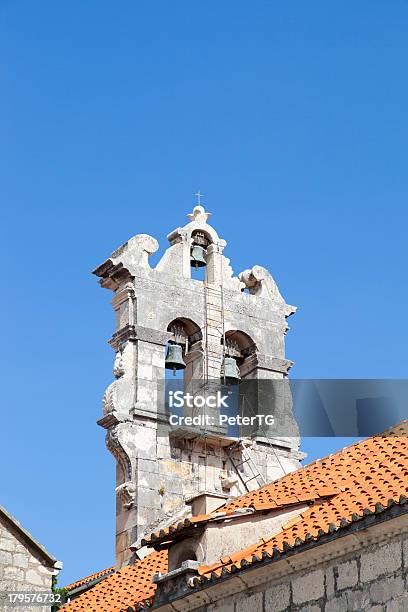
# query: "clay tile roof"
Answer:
x=362 y=479
x=168 y=532
x=90 y=578
x=365 y=478
x=122 y=588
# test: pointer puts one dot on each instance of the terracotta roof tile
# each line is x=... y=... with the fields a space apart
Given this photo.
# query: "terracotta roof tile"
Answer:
x=344 y=486
x=122 y=588
x=90 y=578
x=364 y=475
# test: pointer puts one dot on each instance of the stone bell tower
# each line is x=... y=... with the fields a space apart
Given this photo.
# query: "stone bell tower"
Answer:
x=222 y=325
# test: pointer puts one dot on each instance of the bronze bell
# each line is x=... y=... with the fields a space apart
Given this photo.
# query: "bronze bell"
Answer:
x=174 y=358
x=197 y=256
x=230 y=371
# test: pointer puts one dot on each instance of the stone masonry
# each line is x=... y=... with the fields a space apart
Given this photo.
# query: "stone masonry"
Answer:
x=160 y=468
x=24 y=564
x=372 y=580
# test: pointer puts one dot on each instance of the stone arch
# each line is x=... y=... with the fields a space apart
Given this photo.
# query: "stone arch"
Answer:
x=192 y=227
x=186 y=328
x=200 y=239
x=188 y=334
x=197 y=233
x=239 y=345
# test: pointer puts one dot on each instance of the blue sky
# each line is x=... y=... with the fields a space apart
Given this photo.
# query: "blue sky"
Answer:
x=290 y=117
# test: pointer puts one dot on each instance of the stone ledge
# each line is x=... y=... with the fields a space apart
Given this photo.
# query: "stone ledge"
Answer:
x=174 y=583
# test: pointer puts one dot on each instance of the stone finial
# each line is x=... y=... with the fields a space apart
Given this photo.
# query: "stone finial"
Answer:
x=199 y=214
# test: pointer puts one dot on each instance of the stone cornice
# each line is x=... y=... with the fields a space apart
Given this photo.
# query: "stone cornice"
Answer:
x=109 y=420
x=265 y=362
x=138 y=332
x=112 y=275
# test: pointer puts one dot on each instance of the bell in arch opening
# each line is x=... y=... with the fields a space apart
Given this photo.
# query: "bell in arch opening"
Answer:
x=199 y=246
x=176 y=347
x=174 y=357
x=230 y=371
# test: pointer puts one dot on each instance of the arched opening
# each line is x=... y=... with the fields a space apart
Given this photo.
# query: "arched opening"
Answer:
x=239 y=346
x=186 y=336
x=184 y=364
x=200 y=241
x=239 y=352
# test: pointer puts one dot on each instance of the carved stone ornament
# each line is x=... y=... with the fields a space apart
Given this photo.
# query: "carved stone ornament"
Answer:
x=108 y=400
x=115 y=446
x=127 y=494
x=227 y=482
x=259 y=281
x=199 y=215
x=118 y=368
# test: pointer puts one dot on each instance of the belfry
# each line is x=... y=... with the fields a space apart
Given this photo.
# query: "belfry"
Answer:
x=190 y=315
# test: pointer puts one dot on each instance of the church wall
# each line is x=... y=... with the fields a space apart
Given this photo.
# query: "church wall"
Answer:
x=373 y=580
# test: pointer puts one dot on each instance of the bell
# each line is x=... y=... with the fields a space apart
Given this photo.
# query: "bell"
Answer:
x=174 y=358
x=197 y=256
x=230 y=371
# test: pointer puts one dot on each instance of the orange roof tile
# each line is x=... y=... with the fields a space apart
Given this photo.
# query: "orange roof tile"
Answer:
x=90 y=578
x=122 y=588
x=179 y=530
x=347 y=485
x=366 y=475
x=167 y=532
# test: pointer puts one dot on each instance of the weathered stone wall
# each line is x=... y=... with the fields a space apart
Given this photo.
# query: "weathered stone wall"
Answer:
x=157 y=468
x=372 y=580
x=20 y=568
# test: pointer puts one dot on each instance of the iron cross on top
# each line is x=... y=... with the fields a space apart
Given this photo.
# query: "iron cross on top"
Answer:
x=199 y=196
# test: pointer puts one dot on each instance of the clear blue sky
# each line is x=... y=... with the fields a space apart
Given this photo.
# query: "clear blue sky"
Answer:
x=290 y=116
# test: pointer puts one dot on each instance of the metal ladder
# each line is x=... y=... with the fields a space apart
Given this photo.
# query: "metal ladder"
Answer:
x=214 y=311
x=247 y=459
x=214 y=322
